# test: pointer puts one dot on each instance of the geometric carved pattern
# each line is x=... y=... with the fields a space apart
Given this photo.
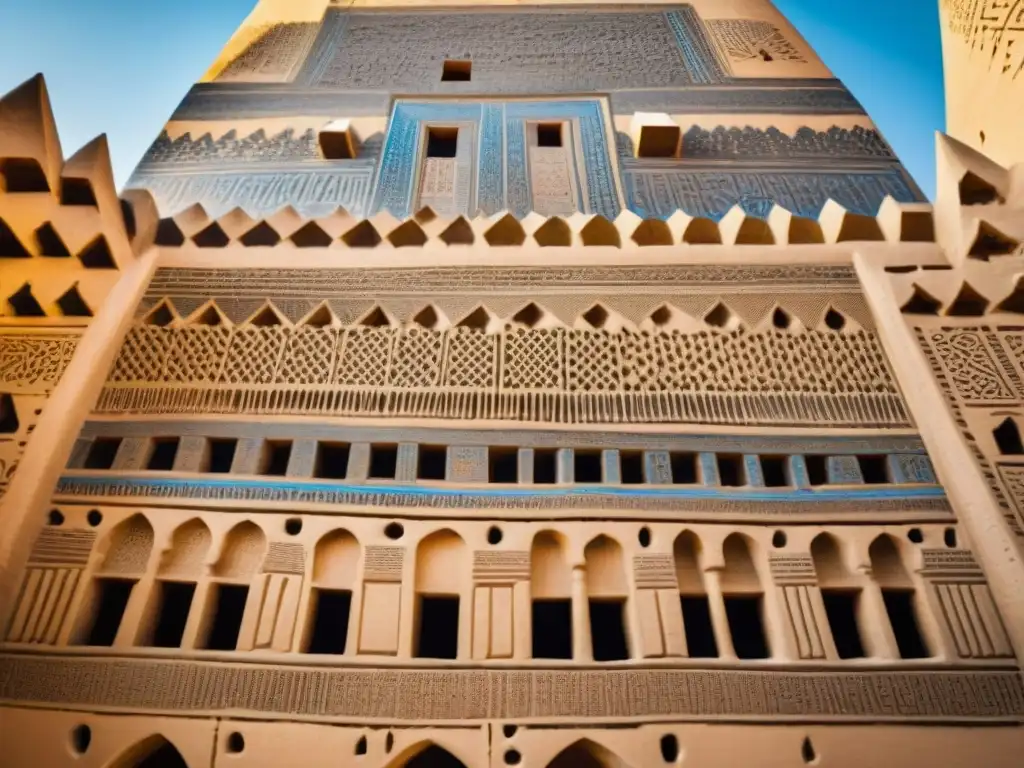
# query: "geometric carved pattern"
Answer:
x=655 y=572
x=383 y=563
x=363 y=357
x=201 y=687
x=197 y=354
x=745 y=39
x=62 y=547
x=285 y=557
x=28 y=360
x=992 y=27
x=971 y=366
x=490 y=567
x=792 y=568
x=253 y=355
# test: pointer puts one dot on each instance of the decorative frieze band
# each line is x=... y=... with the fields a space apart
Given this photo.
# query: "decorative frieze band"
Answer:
x=792 y=568
x=500 y=567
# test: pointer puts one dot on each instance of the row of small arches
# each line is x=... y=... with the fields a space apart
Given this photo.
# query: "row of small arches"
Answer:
x=532 y=315
x=968 y=302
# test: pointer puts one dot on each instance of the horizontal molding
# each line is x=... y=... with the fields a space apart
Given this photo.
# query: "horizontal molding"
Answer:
x=409 y=695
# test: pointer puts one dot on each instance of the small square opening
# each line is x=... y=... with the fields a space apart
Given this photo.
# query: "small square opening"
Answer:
x=817 y=469
x=175 y=604
x=503 y=465
x=163 y=454
x=439 y=627
x=276 y=455
x=544 y=466
x=330 y=621
x=773 y=468
x=631 y=465
x=873 y=469
x=587 y=466
x=227 y=610
x=102 y=453
x=608 y=630
x=552 y=629
x=221 y=455
x=383 y=462
x=442 y=142
x=430 y=464
x=331 y=461
x=697 y=625
x=731 y=471
x=457 y=70
x=684 y=468
x=549 y=134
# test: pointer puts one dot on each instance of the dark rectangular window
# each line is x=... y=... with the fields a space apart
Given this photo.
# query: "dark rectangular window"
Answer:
x=276 y=455
x=330 y=621
x=545 y=463
x=873 y=469
x=111 y=600
x=552 y=629
x=172 y=614
x=457 y=70
x=503 y=465
x=746 y=625
x=775 y=471
x=221 y=456
x=439 y=628
x=228 y=610
x=841 y=610
x=684 y=467
x=331 y=461
x=102 y=453
x=631 y=465
x=383 y=462
x=442 y=142
x=899 y=604
x=700 y=632
x=430 y=462
x=549 y=134
x=163 y=453
x=731 y=471
x=608 y=630
x=586 y=466
x=8 y=415
x=817 y=469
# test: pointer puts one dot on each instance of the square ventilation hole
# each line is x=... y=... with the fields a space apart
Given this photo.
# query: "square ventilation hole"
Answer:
x=457 y=70
x=442 y=142
x=549 y=134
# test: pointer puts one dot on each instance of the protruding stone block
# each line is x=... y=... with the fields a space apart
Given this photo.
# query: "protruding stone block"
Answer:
x=655 y=134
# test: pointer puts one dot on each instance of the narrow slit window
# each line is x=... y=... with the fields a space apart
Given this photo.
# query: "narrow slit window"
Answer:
x=775 y=471
x=684 y=468
x=162 y=454
x=899 y=605
x=503 y=465
x=700 y=632
x=746 y=625
x=330 y=621
x=430 y=462
x=549 y=134
x=332 y=461
x=175 y=603
x=817 y=469
x=587 y=466
x=731 y=472
x=457 y=70
x=383 y=462
x=228 y=608
x=545 y=461
x=439 y=627
x=276 y=455
x=221 y=456
x=631 y=466
x=552 y=629
x=102 y=453
x=442 y=142
x=111 y=601
x=841 y=610
x=608 y=630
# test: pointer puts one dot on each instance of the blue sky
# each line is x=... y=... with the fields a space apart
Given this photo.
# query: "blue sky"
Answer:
x=120 y=67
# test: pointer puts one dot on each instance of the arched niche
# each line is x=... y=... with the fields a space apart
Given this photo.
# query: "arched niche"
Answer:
x=441 y=560
x=551 y=597
x=606 y=575
x=899 y=597
x=698 y=628
x=152 y=752
x=426 y=756
x=190 y=545
x=587 y=754
x=335 y=565
x=887 y=565
x=242 y=553
x=686 y=552
x=740 y=574
x=129 y=547
x=336 y=560
x=744 y=599
x=607 y=592
x=442 y=571
x=841 y=596
x=828 y=561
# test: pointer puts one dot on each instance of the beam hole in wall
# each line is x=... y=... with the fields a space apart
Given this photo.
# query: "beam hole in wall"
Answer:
x=331 y=609
x=97 y=255
x=551 y=628
x=293 y=526
x=81 y=738
x=10 y=245
x=361 y=746
x=383 y=461
x=174 y=602
x=974 y=190
x=597 y=316
x=775 y=471
x=669 y=748
x=72 y=304
x=746 y=625
x=608 y=629
x=731 y=472
x=389 y=742
x=331 y=460
x=586 y=466
x=431 y=461
x=9 y=422
x=236 y=743
x=162 y=453
x=23 y=174
x=807 y=751
x=442 y=142
x=841 y=608
x=438 y=636
x=834 y=320
x=509 y=730
x=394 y=531
x=949 y=538
x=221 y=455
x=503 y=465
x=644 y=537
x=549 y=134
x=494 y=535
x=457 y=70
x=94 y=518
x=921 y=303
x=697 y=626
x=102 y=453
x=781 y=319
x=817 y=469
x=874 y=469
x=545 y=462
x=50 y=243
x=55 y=518
x=1007 y=437
x=779 y=539
x=684 y=467
x=968 y=303
x=24 y=304
x=111 y=600
x=227 y=607
x=915 y=535
x=631 y=467
x=276 y=455
x=512 y=757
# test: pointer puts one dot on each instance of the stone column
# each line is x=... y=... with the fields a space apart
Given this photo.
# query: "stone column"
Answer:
x=522 y=622
x=716 y=604
x=582 y=648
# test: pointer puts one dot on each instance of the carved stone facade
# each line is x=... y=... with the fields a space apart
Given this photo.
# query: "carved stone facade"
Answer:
x=495 y=385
